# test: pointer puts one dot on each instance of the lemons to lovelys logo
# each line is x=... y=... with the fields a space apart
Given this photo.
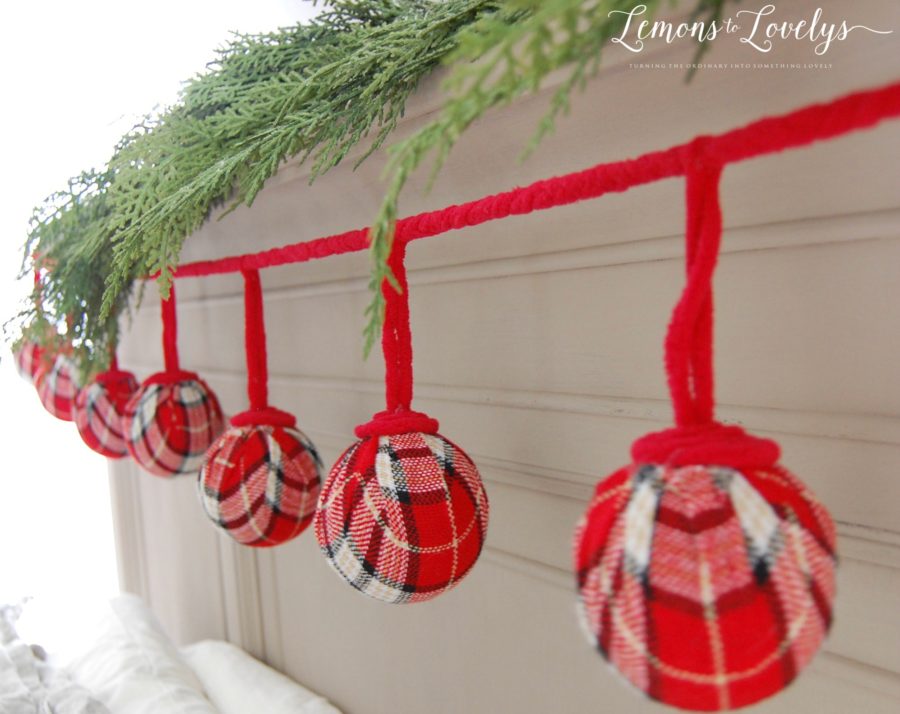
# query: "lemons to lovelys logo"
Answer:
x=761 y=29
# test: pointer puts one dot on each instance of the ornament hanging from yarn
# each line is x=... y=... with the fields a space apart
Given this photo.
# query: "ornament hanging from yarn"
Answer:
x=174 y=416
x=260 y=480
x=705 y=571
x=403 y=514
x=57 y=386
x=28 y=356
x=99 y=409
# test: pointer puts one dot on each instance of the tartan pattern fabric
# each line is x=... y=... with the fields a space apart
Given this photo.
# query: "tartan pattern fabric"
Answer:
x=707 y=588
x=98 y=414
x=170 y=425
x=402 y=518
x=260 y=483
x=56 y=387
x=28 y=359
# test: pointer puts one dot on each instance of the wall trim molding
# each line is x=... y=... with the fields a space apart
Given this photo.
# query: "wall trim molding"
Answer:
x=241 y=592
x=128 y=528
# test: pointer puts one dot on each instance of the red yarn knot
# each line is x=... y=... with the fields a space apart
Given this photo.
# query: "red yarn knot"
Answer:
x=119 y=386
x=172 y=377
x=112 y=377
x=398 y=422
x=268 y=416
x=700 y=154
x=711 y=444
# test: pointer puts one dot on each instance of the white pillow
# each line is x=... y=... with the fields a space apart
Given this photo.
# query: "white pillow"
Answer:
x=134 y=668
x=239 y=684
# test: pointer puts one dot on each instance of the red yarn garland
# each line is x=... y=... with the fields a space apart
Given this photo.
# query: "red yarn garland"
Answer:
x=817 y=122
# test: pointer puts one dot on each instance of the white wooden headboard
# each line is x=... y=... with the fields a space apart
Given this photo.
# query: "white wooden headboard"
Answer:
x=538 y=345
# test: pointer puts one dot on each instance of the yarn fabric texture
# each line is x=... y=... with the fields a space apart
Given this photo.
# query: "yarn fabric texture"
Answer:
x=707 y=587
x=28 y=358
x=57 y=386
x=170 y=422
x=402 y=517
x=260 y=483
x=99 y=409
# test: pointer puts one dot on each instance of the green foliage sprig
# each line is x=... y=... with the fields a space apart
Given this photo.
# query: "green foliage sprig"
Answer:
x=314 y=90
x=499 y=58
x=311 y=91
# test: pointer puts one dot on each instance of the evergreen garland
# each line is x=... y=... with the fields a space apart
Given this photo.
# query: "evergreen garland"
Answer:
x=311 y=91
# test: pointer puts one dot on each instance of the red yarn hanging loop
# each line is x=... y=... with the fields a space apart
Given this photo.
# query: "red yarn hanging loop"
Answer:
x=697 y=438
x=172 y=372
x=688 y=343
x=170 y=332
x=260 y=413
x=396 y=340
x=396 y=344
x=114 y=375
x=255 y=342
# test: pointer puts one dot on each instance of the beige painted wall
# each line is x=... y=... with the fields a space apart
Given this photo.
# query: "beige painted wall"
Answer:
x=538 y=346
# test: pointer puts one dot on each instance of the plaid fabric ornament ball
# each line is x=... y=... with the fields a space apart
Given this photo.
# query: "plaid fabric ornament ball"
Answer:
x=170 y=422
x=708 y=586
x=57 y=386
x=28 y=359
x=98 y=412
x=402 y=517
x=260 y=483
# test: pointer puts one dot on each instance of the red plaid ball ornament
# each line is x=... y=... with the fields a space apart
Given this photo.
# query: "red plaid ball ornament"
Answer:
x=171 y=421
x=402 y=516
x=260 y=480
x=28 y=358
x=705 y=571
x=57 y=386
x=98 y=412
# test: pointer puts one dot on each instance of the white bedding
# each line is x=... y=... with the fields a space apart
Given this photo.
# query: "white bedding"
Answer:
x=238 y=684
x=131 y=667
x=29 y=685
